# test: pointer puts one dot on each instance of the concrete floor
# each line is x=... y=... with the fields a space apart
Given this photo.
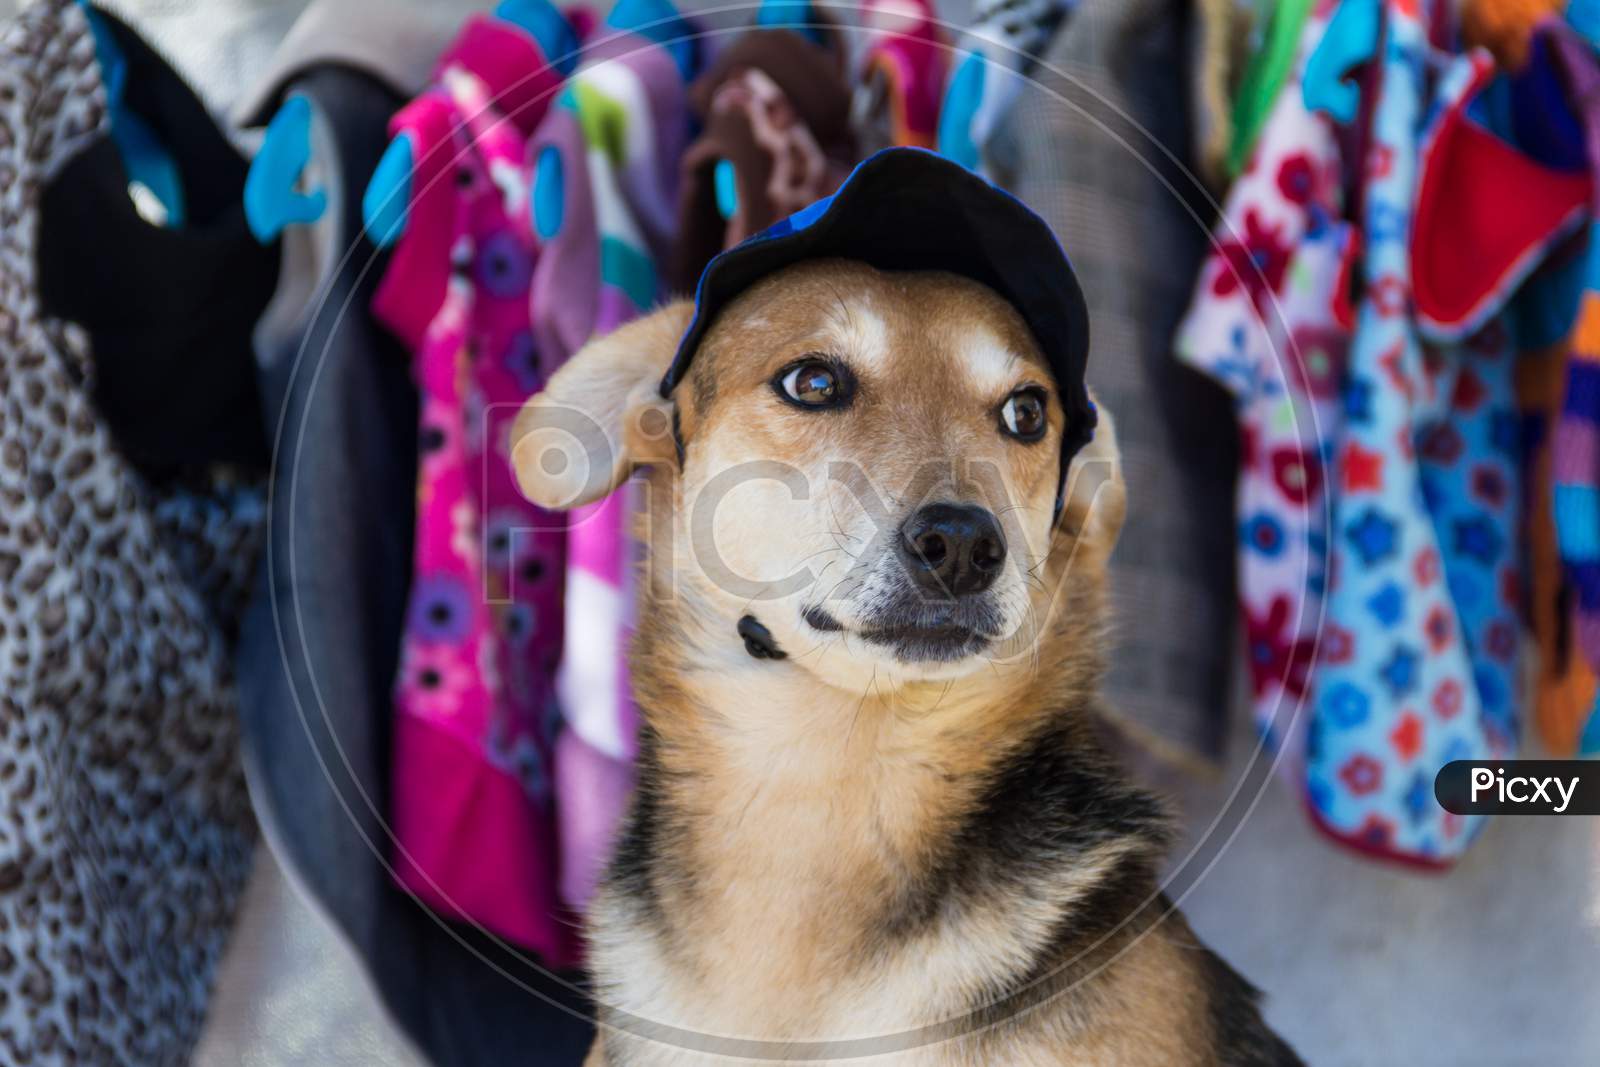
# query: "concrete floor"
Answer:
x=291 y=994
x=1496 y=964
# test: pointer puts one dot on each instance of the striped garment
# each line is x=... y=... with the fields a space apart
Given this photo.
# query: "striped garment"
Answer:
x=1576 y=474
x=1575 y=444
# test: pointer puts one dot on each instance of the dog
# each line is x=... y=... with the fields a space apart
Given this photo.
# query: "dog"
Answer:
x=875 y=814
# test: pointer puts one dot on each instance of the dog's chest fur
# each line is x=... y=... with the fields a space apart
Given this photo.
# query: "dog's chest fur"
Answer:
x=799 y=882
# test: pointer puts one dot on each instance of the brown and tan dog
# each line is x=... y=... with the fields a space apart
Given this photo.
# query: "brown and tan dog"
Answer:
x=881 y=824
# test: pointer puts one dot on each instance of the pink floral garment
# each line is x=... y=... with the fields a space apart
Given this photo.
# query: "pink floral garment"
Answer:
x=1265 y=322
x=475 y=700
x=604 y=164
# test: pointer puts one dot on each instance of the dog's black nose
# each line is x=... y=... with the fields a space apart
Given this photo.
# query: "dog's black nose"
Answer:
x=952 y=550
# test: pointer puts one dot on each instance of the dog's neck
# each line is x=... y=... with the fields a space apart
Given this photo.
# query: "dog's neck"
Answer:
x=751 y=729
x=762 y=727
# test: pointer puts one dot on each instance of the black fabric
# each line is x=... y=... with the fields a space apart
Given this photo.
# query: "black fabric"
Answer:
x=169 y=312
x=910 y=209
x=321 y=643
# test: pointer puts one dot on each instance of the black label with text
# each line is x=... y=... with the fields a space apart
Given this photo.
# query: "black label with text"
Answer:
x=1519 y=787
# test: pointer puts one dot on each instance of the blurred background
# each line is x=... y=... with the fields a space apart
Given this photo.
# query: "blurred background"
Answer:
x=1491 y=960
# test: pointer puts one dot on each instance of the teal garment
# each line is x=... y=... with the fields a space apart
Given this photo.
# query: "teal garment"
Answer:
x=989 y=74
x=661 y=22
x=795 y=15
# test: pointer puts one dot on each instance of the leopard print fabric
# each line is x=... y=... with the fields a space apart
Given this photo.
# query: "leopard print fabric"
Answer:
x=125 y=830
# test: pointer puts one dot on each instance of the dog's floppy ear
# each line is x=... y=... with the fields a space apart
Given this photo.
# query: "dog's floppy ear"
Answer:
x=601 y=415
x=1096 y=499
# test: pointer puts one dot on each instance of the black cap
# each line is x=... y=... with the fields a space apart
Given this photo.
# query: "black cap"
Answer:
x=911 y=209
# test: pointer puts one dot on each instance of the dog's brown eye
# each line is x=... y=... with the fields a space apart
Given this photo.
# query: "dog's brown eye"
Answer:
x=1023 y=415
x=813 y=383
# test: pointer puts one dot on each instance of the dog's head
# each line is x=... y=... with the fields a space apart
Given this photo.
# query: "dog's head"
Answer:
x=866 y=462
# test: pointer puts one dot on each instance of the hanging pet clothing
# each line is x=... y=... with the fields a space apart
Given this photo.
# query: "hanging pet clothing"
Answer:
x=128 y=830
x=1421 y=636
x=774 y=111
x=1269 y=321
x=476 y=714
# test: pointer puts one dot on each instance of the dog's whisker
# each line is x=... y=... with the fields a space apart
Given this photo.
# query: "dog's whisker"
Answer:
x=837 y=526
x=871 y=688
x=813 y=650
x=814 y=555
x=849 y=312
x=837 y=586
x=837 y=534
x=754 y=793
